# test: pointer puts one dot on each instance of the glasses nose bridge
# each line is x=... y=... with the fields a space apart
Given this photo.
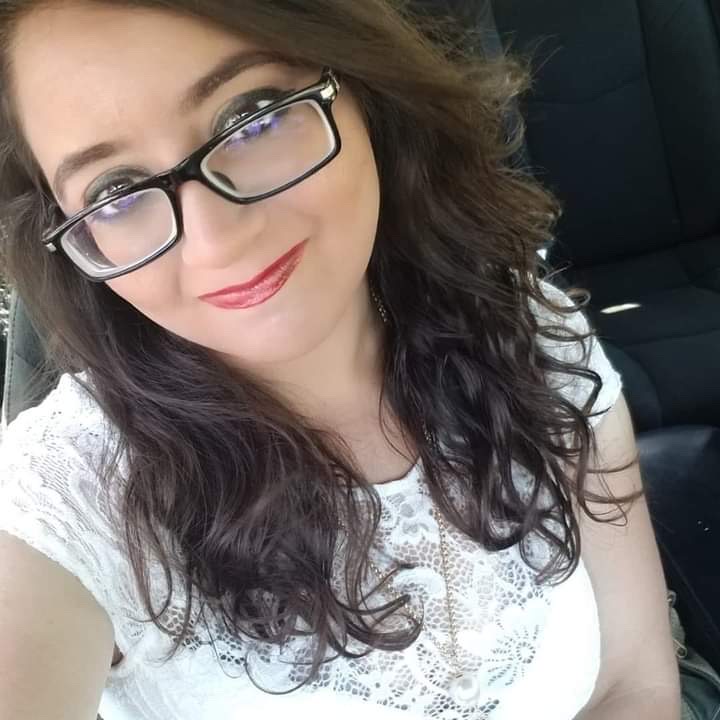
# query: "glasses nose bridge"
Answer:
x=187 y=170
x=191 y=169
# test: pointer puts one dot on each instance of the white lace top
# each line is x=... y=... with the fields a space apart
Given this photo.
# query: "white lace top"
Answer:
x=535 y=648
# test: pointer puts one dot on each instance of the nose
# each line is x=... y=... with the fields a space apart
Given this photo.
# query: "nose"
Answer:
x=216 y=232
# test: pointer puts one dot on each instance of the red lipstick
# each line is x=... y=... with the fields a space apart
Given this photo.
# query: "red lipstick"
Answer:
x=262 y=287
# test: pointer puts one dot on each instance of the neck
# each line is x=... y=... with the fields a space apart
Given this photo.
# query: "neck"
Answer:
x=337 y=387
x=342 y=376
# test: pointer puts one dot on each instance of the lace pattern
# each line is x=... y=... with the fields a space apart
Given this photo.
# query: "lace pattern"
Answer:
x=535 y=647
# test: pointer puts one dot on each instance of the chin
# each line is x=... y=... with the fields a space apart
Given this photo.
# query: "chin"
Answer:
x=280 y=349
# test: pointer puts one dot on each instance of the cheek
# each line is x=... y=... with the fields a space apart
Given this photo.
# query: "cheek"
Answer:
x=347 y=199
x=343 y=208
x=153 y=289
x=356 y=194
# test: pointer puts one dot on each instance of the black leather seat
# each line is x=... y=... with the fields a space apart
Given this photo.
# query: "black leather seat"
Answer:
x=624 y=124
x=681 y=470
x=29 y=374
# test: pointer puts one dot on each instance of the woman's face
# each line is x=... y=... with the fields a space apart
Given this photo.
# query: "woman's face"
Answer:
x=93 y=75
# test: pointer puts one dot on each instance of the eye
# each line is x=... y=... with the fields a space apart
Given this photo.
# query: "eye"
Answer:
x=109 y=184
x=262 y=127
x=247 y=104
x=118 y=209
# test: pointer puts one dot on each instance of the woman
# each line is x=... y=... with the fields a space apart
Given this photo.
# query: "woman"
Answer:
x=324 y=439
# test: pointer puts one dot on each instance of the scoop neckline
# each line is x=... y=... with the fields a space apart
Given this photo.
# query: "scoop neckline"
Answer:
x=405 y=482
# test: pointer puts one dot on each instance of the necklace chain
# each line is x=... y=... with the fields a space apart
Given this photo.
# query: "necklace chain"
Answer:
x=445 y=562
x=445 y=558
x=442 y=528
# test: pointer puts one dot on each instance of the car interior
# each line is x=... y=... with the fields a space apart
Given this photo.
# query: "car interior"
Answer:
x=623 y=124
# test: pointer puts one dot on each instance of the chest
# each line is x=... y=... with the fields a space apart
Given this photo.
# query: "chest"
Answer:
x=535 y=649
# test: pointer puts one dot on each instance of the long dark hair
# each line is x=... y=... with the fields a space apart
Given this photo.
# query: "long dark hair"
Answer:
x=229 y=489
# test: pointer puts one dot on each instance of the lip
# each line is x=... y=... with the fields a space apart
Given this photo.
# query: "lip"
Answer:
x=262 y=287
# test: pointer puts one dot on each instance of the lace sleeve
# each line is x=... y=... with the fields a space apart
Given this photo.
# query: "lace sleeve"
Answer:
x=50 y=498
x=574 y=388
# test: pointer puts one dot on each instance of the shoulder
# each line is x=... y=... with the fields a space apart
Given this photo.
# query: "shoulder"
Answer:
x=68 y=414
x=51 y=496
x=51 y=453
x=576 y=342
x=570 y=318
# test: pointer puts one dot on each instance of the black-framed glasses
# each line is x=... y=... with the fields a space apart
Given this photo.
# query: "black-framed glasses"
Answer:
x=261 y=155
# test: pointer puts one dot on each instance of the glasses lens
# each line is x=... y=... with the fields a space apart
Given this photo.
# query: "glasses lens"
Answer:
x=122 y=233
x=272 y=151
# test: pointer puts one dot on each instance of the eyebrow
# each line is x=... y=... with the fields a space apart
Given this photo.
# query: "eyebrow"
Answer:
x=203 y=88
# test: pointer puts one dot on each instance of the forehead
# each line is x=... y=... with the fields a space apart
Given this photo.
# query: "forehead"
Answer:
x=84 y=71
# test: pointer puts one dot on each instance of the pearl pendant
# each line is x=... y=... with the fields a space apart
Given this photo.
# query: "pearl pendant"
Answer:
x=465 y=688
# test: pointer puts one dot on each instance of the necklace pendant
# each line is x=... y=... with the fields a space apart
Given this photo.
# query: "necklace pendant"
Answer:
x=465 y=688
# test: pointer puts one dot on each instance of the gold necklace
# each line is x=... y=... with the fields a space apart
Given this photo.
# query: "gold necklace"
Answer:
x=464 y=686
